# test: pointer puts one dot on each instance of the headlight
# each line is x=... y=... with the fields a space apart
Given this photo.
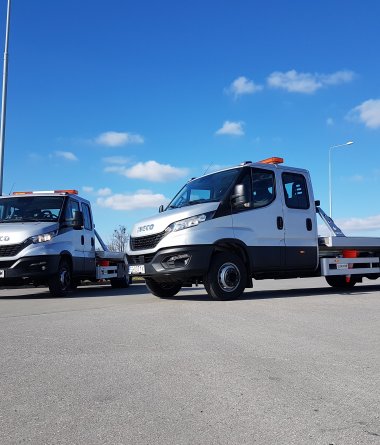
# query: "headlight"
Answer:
x=43 y=237
x=189 y=222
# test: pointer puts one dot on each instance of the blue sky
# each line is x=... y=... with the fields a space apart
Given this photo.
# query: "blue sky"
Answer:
x=127 y=100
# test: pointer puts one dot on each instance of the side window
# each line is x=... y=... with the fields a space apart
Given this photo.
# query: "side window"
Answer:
x=87 y=217
x=263 y=188
x=295 y=191
x=70 y=208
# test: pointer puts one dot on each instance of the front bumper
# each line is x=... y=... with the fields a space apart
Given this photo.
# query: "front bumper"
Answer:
x=28 y=269
x=176 y=263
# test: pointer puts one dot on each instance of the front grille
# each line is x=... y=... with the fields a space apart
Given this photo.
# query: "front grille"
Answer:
x=140 y=259
x=6 y=264
x=12 y=249
x=146 y=242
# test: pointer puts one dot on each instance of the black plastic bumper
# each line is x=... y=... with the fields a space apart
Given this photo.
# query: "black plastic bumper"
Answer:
x=28 y=269
x=177 y=263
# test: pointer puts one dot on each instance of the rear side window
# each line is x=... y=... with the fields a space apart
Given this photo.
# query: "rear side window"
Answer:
x=295 y=191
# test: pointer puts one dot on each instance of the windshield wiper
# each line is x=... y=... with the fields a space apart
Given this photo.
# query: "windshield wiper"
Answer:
x=199 y=201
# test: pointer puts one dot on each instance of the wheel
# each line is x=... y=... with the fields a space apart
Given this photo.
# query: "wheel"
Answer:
x=120 y=283
x=60 y=283
x=75 y=282
x=339 y=281
x=163 y=290
x=226 y=278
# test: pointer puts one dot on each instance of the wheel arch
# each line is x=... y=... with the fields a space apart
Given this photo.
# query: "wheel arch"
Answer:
x=237 y=247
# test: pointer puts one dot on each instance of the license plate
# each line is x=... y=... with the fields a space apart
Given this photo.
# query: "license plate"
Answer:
x=137 y=269
x=2 y=273
x=342 y=266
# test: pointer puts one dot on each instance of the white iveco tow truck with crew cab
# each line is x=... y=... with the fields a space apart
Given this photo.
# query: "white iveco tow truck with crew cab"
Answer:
x=49 y=238
x=256 y=220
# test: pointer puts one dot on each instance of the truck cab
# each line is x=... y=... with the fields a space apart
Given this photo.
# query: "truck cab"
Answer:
x=255 y=220
x=48 y=237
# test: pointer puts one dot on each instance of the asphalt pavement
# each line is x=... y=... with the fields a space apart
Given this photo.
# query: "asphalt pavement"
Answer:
x=292 y=362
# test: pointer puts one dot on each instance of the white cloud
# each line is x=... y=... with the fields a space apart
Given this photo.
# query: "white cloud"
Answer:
x=106 y=191
x=231 y=128
x=307 y=83
x=121 y=160
x=68 y=155
x=356 y=178
x=360 y=224
x=368 y=113
x=116 y=139
x=241 y=86
x=150 y=171
x=87 y=189
x=142 y=199
x=330 y=121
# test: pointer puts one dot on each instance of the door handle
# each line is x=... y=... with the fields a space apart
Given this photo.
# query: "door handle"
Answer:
x=280 y=223
x=82 y=240
x=309 y=224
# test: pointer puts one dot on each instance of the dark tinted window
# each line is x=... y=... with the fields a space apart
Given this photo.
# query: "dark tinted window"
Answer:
x=295 y=191
x=263 y=188
x=70 y=208
x=87 y=217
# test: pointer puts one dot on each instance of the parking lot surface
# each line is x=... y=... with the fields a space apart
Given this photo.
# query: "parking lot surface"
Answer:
x=292 y=362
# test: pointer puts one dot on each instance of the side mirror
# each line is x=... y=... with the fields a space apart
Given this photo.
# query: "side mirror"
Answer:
x=77 y=221
x=317 y=203
x=238 y=198
x=161 y=209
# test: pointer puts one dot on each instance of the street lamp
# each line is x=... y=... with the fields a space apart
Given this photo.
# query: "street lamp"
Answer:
x=4 y=96
x=330 y=192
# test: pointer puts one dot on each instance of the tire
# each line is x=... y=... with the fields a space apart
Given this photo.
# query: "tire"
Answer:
x=61 y=282
x=163 y=290
x=339 y=281
x=120 y=283
x=226 y=278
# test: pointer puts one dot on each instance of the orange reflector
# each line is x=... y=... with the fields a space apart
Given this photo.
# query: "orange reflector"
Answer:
x=272 y=160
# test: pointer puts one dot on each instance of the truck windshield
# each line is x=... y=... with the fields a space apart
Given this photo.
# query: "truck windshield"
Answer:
x=30 y=208
x=205 y=189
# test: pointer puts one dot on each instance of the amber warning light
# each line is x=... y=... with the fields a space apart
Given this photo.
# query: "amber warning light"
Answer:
x=272 y=160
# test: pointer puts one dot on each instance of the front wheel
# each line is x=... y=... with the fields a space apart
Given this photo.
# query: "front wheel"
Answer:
x=340 y=282
x=226 y=278
x=61 y=282
x=163 y=289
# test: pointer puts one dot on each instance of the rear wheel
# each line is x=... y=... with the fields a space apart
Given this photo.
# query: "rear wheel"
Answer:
x=226 y=277
x=120 y=283
x=60 y=283
x=340 y=282
x=163 y=289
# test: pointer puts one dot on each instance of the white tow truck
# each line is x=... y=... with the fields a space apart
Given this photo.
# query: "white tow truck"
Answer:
x=256 y=220
x=49 y=237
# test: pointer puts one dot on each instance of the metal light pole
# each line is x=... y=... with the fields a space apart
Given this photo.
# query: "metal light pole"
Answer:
x=4 y=97
x=330 y=191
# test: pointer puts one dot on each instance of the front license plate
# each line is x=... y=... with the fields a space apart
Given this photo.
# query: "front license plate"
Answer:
x=342 y=266
x=137 y=269
x=2 y=273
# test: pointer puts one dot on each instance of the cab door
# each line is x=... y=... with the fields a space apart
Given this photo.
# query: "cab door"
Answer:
x=88 y=240
x=301 y=235
x=73 y=237
x=259 y=222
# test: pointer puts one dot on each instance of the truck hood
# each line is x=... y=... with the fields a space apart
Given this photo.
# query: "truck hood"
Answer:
x=158 y=223
x=15 y=233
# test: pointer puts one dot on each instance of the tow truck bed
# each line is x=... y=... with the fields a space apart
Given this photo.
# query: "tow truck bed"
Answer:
x=349 y=242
